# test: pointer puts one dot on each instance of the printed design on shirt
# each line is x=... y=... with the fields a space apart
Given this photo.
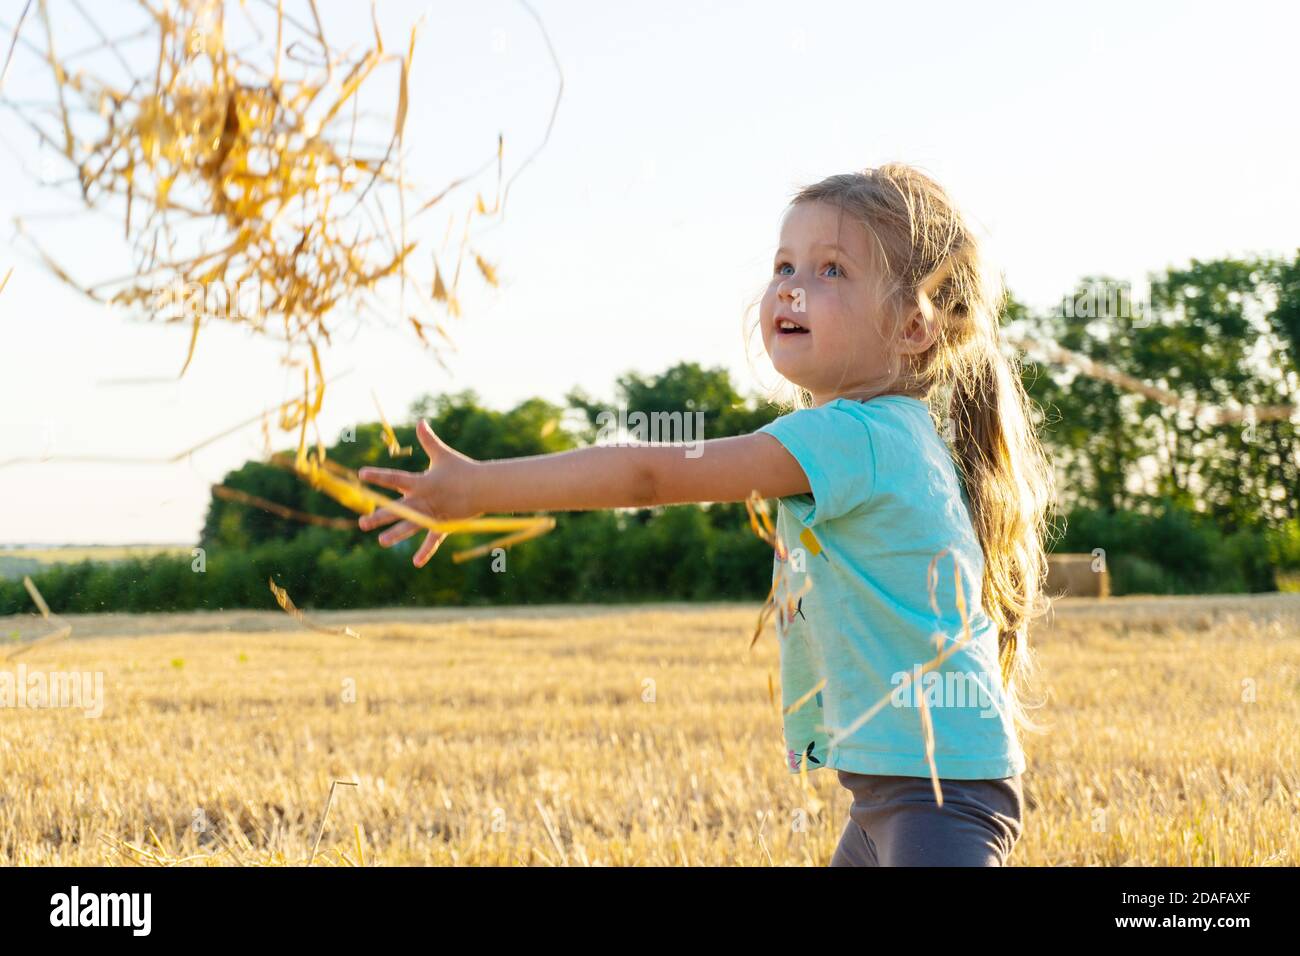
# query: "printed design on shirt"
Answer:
x=809 y=541
x=795 y=758
x=814 y=694
x=788 y=607
x=781 y=601
x=792 y=606
x=784 y=620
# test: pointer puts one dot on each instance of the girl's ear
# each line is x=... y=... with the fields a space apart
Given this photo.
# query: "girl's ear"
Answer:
x=918 y=333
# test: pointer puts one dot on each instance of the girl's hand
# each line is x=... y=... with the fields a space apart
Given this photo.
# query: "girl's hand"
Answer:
x=443 y=492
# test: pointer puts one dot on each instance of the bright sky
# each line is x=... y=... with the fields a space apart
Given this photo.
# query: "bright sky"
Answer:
x=1119 y=139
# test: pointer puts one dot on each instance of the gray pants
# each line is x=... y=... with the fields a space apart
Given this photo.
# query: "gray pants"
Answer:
x=894 y=821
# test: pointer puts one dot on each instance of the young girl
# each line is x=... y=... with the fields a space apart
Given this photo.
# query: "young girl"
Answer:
x=880 y=309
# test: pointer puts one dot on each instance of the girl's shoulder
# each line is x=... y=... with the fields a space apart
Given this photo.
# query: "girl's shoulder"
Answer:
x=908 y=449
x=899 y=413
x=882 y=403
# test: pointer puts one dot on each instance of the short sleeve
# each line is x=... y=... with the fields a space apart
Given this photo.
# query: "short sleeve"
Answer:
x=834 y=448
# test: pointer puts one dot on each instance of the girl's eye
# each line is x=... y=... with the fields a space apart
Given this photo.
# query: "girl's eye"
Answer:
x=834 y=265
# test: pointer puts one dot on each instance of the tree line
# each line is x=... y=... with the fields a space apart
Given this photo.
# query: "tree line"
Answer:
x=1178 y=504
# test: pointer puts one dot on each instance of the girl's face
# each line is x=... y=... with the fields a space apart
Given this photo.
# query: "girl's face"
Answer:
x=821 y=281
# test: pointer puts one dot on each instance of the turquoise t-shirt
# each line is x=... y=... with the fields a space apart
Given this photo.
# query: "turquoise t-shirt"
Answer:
x=885 y=500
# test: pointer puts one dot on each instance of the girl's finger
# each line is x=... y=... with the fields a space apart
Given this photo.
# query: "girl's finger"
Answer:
x=376 y=519
x=398 y=532
x=427 y=550
x=389 y=477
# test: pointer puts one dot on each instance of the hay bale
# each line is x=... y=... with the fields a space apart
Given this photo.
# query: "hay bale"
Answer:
x=1073 y=575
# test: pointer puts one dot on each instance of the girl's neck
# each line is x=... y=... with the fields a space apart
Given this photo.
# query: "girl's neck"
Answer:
x=860 y=397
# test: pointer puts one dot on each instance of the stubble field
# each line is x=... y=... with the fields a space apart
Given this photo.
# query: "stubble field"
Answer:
x=613 y=736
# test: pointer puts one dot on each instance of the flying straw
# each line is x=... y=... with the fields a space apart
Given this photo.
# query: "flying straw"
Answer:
x=344 y=486
x=287 y=605
x=234 y=172
x=1210 y=414
x=62 y=631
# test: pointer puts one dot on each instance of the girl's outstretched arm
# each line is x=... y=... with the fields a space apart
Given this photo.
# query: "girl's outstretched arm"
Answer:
x=596 y=477
x=638 y=476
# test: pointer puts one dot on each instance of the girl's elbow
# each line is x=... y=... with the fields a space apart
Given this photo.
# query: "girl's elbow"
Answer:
x=645 y=489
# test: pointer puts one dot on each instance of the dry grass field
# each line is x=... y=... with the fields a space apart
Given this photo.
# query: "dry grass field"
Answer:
x=15 y=562
x=93 y=552
x=614 y=736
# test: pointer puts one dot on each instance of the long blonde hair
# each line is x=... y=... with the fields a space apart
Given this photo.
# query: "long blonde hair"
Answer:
x=927 y=259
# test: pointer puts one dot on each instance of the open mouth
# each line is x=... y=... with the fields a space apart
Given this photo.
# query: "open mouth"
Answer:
x=789 y=327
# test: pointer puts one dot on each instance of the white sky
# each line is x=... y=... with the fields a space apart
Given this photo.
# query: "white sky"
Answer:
x=1119 y=139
